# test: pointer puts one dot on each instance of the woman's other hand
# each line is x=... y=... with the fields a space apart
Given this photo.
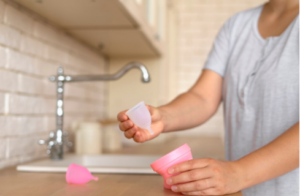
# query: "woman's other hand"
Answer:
x=205 y=177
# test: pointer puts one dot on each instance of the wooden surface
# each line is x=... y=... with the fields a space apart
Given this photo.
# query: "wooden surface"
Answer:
x=13 y=183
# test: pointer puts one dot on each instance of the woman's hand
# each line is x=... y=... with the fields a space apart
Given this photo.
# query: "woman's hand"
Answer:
x=138 y=134
x=206 y=177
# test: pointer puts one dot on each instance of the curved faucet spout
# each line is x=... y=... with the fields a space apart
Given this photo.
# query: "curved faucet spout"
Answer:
x=119 y=74
x=132 y=65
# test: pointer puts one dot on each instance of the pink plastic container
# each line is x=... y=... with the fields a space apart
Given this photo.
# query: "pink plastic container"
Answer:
x=180 y=154
x=77 y=174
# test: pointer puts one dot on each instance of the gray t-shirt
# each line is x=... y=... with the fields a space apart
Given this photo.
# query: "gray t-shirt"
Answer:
x=260 y=91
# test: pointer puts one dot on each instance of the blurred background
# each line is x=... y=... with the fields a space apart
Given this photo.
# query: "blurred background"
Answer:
x=172 y=38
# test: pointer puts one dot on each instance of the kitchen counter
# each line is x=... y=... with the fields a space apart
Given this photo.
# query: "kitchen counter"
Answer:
x=13 y=183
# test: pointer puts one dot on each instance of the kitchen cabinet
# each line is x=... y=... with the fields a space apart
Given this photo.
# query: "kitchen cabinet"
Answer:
x=117 y=28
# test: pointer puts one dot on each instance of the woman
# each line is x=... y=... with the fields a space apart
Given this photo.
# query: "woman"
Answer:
x=254 y=69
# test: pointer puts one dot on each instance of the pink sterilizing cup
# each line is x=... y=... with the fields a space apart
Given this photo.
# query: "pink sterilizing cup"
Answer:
x=77 y=174
x=180 y=154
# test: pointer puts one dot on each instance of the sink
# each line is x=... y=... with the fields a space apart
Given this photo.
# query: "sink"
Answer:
x=110 y=163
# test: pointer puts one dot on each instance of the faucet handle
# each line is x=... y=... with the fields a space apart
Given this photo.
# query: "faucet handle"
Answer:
x=51 y=136
x=49 y=142
x=66 y=140
x=52 y=144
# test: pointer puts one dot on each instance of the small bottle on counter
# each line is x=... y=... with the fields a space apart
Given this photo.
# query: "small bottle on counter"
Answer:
x=111 y=135
x=88 y=138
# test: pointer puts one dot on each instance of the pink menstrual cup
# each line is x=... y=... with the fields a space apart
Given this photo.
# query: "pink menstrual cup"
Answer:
x=180 y=154
x=77 y=174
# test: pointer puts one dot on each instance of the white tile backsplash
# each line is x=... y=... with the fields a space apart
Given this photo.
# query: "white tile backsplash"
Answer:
x=49 y=88
x=2 y=98
x=34 y=47
x=46 y=33
x=49 y=123
x=18 y=20
x=75 y=91
x=3 y=148
x=20 y=146
x=44 y=68
x=9 y=37
x=14 y=126
x=30 y=52
x=3 y=57
x=26 y=104
x=29 y=124
x=30 y=84
x=1 y=10
x=6 y=124
x=19 y=62
x=55 y=54
x=9 y=80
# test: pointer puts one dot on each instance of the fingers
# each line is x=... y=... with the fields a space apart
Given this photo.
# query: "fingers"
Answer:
x=139 y=138
x=216 y=178
x=130 y=133
x=188 y=165
x=122 y=116
x=136 y=134
x=193 y=175
x=193 y=186
x=125 y=125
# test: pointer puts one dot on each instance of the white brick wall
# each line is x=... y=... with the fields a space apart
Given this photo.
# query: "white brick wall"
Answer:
x=18 y=20
x=198 y=23
x=2 y=57
x=3 y=148
x=9 y=80
x=19 y=62
x=2 y=103
x=10 y=37
x=30 y=52
x=1 y=10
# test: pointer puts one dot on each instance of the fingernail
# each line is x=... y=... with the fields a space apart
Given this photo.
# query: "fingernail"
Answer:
x=174 y=188
x=169 y=181
x=171 y=171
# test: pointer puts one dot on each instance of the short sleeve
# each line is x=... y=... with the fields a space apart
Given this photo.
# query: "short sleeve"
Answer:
x=218 y=56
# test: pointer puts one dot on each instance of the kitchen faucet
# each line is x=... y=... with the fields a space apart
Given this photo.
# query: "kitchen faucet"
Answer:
x=58 y=139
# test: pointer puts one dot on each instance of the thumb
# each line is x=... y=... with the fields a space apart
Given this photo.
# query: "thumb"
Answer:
x=150 y=108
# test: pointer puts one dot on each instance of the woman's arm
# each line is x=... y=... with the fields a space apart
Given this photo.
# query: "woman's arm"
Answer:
x=196 y=106
x=187 y=110
x=212 y=177
x=273 y=160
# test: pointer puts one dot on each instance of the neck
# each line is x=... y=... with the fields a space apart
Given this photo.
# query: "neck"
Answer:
x=281 y=6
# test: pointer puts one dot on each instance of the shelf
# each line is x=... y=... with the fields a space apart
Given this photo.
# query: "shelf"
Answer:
x=116 y=27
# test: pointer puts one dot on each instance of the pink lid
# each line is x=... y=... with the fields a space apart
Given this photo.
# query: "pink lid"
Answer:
x=171 y=156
